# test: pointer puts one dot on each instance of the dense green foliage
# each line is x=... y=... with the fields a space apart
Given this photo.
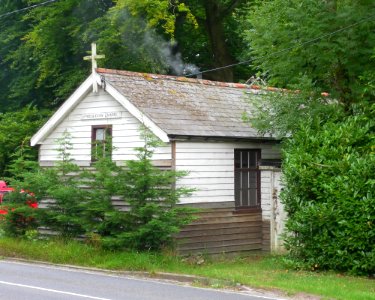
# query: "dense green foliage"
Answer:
x=281 y=114
x=16 y=129
x=335 y=63
x=329 y=170
x=21 y=218
x=41 y=49
x=79 y=203
x=206 y=33
x=152 y=197
x=328 y=149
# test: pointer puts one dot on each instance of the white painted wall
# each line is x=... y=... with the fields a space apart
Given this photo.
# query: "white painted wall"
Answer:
x=272 y=207
x=279 y=216
x=211 y=169
x=266 y=183
x=125 y=132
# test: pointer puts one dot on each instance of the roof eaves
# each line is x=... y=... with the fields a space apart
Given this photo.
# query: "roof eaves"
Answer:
x=62 y=112
x=263 y=139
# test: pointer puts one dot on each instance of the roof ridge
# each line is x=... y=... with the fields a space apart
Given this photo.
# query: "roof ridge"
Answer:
x=151 y=76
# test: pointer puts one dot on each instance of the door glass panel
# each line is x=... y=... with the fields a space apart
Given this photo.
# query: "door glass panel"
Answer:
x=237 y=159
x=253 y=197
x=99 y=134
x=245 y=159
x=246 y=178
x=253 y=180
x=252 y=159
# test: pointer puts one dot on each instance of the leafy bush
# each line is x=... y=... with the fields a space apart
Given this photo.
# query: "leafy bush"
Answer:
x=16 y=128
x=152 y=196
x=20 y=217
x=329 y=174
x=62 y=188
x=80 y=202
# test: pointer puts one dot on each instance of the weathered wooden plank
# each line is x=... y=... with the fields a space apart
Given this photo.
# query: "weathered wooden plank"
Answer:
x=226 y=243
x=220 y=230
x=217 y=231
x=212 y=205
x=218 y=225
x=223 y=238
x=224 y=212
x=225 y=220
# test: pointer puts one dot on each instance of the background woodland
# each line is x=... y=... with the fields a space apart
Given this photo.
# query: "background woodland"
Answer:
x=310 y=47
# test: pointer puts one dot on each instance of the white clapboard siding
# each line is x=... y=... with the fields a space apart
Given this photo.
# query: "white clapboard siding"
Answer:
x=207 y=174
x=125 y=132
x=77 y=146
x=198 y=181
x=210 y=167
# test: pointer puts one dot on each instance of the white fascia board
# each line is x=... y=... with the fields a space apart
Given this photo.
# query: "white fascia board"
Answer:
x=62 y=112
x=146 y=121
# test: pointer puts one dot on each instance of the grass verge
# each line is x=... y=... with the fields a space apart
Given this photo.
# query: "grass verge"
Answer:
x=262 y=271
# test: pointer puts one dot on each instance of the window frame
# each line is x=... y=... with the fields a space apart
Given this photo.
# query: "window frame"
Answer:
x=238 y=206
x=108 y=132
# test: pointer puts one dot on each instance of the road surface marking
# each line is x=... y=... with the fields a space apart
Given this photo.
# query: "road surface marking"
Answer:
x=105 y=273
x=51 y=290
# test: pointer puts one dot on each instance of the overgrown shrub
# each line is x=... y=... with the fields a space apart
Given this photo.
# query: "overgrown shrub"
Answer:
x=63 y=214
x=101 y=185
x=80 y=202
x=151 y=194
x=20 y=217
x=329 y=194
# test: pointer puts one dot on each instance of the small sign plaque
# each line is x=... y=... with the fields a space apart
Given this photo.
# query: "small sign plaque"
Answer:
x=103 y=115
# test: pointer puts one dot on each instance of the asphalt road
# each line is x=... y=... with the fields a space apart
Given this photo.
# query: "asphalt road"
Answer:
x=25 y=281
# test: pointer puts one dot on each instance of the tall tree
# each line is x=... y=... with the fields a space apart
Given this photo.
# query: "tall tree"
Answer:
x=216 y=13
x=207 y=27
x=11 y=31
x=16 y=129
x=328 y=147
x=43 y=50
x=283 y=41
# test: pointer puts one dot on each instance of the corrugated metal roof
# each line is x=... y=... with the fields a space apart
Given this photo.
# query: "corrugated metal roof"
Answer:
x=187 y=107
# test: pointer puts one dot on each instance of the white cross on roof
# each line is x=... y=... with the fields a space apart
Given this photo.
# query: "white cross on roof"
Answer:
x=93 y=57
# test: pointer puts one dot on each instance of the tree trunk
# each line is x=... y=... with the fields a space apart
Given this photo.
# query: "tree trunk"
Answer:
x=215 y=29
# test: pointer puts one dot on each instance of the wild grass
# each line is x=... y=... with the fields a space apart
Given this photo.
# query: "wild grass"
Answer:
x=261 y=271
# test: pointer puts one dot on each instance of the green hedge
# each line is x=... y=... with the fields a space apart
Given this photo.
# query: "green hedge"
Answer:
x=329 y=194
